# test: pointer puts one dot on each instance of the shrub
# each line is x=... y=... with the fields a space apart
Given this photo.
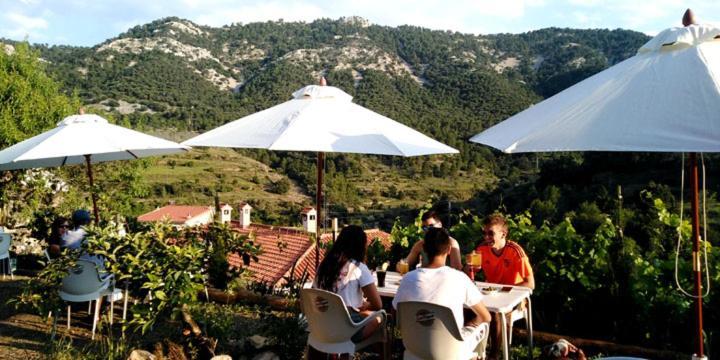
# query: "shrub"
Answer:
x=281 y=186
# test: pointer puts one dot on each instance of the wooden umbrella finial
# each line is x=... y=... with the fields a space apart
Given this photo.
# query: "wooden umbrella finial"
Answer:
x=323 y=82
x=689 y=18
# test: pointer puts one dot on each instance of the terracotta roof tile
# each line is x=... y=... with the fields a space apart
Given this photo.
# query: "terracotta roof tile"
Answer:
x=177 y=214
x=294 y=256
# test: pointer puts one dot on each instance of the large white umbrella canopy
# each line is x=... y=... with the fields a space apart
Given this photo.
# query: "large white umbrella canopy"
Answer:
x=84 y=138
x=80 y=135
x=666 y=98
x=321 y=119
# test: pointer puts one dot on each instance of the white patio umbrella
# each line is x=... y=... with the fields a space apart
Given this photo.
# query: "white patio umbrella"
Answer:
x=84 y=138
x=664 y=99
x=321 y=119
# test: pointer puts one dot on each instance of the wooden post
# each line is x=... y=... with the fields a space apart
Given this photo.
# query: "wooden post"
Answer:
x=92 y=189
x=319 y=202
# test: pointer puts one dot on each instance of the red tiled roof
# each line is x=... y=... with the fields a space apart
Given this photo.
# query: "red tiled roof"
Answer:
x=281 y=247
x=177 y=214
x=307 y=209
x=295 y=256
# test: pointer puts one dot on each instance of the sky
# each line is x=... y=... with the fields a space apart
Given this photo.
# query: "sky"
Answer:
x=90 y=22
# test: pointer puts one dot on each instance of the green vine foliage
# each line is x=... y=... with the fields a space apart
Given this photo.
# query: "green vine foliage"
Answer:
x=41 y=291
x=221 y=240
x=606 y=279
x=403 y=237
x=376 y=254
x=161 y=265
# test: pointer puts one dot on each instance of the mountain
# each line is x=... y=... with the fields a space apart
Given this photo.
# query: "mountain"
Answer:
x=175 y=74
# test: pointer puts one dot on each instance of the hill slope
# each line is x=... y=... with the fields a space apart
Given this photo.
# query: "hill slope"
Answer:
x=175 y=74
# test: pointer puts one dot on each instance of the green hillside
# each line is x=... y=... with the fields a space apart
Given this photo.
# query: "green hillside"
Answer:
x=175 y=75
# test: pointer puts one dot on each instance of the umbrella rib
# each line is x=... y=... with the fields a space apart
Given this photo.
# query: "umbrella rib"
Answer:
x=131 y=153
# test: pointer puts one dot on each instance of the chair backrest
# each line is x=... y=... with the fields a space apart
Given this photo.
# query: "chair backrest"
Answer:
x=327 y=315
x=83 y=279
x=429 y=331
x=5 y=240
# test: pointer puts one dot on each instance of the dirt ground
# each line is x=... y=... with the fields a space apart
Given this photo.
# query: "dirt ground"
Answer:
x=25 y=336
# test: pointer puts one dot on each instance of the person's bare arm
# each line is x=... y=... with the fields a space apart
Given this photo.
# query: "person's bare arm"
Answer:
x=483 y=315
x=373 y=302
x=414 y=255
x=54 y=250
x=529 y=282
x=455 y=256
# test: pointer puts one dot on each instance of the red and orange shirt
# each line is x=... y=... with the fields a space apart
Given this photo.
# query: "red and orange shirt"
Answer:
x=511 y=267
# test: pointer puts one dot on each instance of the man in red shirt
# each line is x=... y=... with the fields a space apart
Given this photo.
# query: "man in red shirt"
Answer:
x=503 y=262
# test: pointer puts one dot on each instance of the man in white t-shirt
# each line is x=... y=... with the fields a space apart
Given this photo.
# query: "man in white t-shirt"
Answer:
x=442 y=285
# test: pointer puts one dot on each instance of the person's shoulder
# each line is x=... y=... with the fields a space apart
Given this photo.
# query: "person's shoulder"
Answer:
x=452 y=272
x=515 y=249
x=354 y=264
x=454 y=243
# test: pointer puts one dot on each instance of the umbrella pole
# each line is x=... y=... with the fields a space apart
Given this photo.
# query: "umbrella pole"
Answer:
x=318 y=203
x=696 y=254
x=92 y=189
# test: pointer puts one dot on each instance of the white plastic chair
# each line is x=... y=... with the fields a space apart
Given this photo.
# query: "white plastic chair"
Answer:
x=331 y=327
x=429 y=331
x=519 y=314
x=5 y=240
x=85 y=283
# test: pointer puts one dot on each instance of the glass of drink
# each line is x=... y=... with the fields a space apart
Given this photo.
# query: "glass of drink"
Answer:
x=474 y=259
x=403 y=267
x=381 y=278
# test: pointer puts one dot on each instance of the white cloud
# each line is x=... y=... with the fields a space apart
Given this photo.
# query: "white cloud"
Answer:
x=27 y=22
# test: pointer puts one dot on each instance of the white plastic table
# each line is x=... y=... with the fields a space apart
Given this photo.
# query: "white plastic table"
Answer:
x=497 y=302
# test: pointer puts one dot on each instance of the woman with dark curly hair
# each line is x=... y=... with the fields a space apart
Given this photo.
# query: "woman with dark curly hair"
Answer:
x=344 y=272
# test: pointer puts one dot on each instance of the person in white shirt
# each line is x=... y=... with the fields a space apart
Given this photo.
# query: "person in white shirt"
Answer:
x=442 y=285
x=75 y=238
x=343 y=272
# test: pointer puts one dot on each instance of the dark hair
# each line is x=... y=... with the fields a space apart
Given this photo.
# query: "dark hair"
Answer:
x=430 y=215
x=80 y=217
x=55 y=229
x=437 y=242
x=351 y=244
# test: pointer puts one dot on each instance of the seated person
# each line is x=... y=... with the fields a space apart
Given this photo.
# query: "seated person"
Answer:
x=73 y=238
x=57 y=230
x=503 y=262
x=343 y=272
x=442 y=285
x=431 y=220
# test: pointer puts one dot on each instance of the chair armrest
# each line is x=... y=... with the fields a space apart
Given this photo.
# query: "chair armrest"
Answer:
x=106 y=277
x=380 y=313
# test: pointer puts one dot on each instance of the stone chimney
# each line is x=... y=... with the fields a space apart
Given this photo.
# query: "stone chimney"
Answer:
x=225 y=213
x=309 y=219
x=244 y=210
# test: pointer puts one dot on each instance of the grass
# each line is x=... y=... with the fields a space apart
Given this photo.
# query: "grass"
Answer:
x=194 y=177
